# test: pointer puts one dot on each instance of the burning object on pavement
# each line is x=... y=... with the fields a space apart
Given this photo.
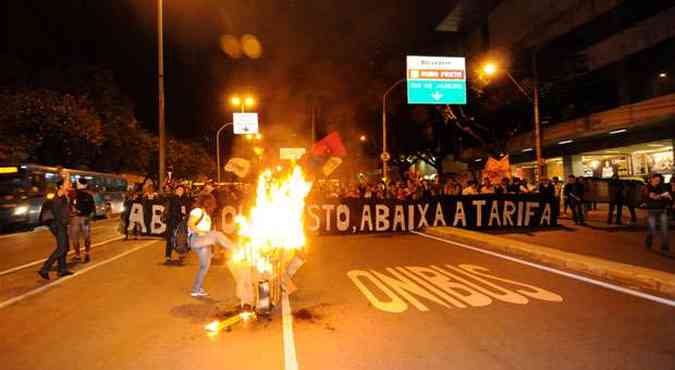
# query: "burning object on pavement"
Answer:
x=271 y=241
x=270 y=247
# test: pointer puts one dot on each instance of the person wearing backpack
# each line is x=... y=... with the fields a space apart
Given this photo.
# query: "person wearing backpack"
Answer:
x=177 y=207
x=80 y=223
x=201 y=238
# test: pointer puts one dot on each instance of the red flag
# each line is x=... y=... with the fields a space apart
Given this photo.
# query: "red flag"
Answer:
x=330 y=145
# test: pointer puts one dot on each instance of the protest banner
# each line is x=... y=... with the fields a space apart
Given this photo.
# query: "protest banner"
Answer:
x=349 y=216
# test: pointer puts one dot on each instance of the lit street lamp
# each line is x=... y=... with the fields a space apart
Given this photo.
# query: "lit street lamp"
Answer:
x=363 y=138
x=490 y=69
x=236 y=101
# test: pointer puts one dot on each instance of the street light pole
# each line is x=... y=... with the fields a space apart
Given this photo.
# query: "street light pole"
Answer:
x=537 y=125
x=519 y=87
x=385 y=167
x=218 y=147
x=539 y=169
x=160 y=81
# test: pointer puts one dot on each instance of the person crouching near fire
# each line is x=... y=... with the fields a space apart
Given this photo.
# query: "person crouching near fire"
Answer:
x=201 y=238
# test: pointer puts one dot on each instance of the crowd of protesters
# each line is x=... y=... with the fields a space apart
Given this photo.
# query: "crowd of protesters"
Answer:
x=416 y=188
x=571 y=196
x=70 y=212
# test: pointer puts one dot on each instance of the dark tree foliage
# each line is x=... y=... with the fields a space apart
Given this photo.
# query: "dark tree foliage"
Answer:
x=77 y=116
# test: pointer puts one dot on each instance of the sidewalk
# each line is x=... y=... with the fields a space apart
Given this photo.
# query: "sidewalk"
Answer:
x=611 y=252
x=623 y=244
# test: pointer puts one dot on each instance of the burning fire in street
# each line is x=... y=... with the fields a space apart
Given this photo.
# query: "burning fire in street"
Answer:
x=275 y=222
x=270 y=241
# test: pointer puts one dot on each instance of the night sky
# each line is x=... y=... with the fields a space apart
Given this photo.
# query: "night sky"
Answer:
x=342 y=52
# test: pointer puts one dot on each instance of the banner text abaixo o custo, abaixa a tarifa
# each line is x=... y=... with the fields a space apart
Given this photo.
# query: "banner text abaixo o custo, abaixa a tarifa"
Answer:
x=351 y=216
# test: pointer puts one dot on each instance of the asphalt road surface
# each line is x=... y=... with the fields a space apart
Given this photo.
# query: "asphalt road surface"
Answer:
x=364 y=302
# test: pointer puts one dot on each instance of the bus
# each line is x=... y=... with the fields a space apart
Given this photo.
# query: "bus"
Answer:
x=24 y=189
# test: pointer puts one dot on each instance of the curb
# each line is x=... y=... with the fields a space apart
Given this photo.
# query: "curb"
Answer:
x=627 y=275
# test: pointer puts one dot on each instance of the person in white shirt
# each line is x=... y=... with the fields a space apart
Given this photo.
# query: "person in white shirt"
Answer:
x=201 y=238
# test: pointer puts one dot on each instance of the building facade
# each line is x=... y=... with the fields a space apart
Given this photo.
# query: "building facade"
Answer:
x=606 y=72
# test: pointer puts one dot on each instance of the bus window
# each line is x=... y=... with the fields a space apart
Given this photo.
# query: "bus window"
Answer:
x=12 y=184
x=37 y=182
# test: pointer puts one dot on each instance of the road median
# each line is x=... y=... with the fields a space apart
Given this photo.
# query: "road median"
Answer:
x=660 y=282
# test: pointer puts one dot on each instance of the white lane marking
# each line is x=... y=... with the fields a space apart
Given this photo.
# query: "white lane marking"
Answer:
x=23 y=233
x=29 y=264
x=649 y=297
x=290 y=361
x=66 y=278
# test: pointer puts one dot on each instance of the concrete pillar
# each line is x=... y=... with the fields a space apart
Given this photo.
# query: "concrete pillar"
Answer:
x=567 y=165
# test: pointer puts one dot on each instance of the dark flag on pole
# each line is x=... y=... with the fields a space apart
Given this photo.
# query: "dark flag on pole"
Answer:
x=331 y=145
x=326 y=154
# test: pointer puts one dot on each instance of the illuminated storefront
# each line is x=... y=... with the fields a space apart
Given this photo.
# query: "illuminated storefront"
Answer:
x=552 y=168
x=634 y=160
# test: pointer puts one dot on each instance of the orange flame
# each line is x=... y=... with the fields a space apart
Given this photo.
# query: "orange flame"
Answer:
x=275 y=222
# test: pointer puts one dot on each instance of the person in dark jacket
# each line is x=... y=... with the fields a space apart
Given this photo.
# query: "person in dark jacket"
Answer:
x=547 y=188
x=83 y=207
x=60 y=209
x=657 y=199
x=616 y=199
x=503 y=187
x=178 y=207
x=574 y=193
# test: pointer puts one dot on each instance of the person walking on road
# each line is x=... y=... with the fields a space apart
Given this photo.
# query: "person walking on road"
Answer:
x=58 y=225
x=202 y=238
x=657 y=199
x=178 y=206
x=574 y=193
x=80 y=223
x=616 y=199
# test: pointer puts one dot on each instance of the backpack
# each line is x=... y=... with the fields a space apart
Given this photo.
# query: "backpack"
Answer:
x=47 y=215
x=181 y=244
x=181 y=237
x=84 y=203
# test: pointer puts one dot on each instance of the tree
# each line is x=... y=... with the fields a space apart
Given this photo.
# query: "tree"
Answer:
x=48 y=127
x=189 y=160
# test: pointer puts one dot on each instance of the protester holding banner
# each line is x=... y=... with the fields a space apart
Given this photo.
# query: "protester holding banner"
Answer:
x=202 y=238
x=487 y=187
x=134 y=197
x=471 y=188
x=149 y=192
x=547 y=188
x=452 y=187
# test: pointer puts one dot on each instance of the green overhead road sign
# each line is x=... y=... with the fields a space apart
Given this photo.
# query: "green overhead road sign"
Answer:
x=436 y=80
